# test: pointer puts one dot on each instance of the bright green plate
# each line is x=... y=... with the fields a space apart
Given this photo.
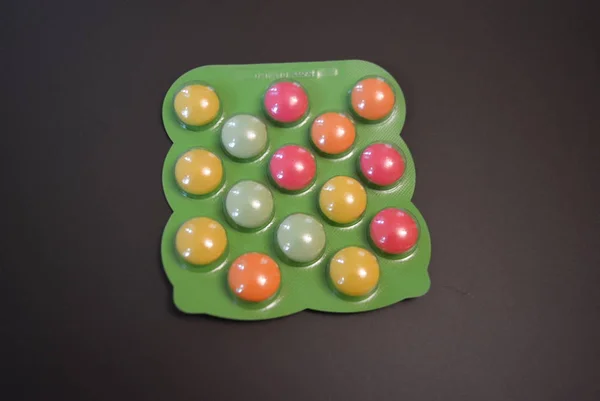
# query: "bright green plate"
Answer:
x=204 y=289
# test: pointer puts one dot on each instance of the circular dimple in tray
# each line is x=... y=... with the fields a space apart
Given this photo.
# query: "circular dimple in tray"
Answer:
x=300 y=192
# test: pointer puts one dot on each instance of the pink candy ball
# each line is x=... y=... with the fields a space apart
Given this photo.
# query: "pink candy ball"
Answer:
x=382 y=164
x=394 y=231
x=292 y=167
x=286 y=102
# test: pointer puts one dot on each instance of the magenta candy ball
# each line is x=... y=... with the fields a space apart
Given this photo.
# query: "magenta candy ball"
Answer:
x=394 y=231
x=286 y=102
x=382 y=164
x=292 y=167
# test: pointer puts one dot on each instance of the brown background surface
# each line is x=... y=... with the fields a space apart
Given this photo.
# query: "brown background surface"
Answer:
x=503 y=124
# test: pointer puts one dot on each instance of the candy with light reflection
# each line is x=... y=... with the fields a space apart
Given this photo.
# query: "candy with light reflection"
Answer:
x=254 y=277
x=249 y=204
x=382 y=164
x=333 y=133
x=196 y=105
x=394 y=231
x=244 y=136
x=301 y=238
x=198 y=172
x=286 y=102
x=292 y=167
x=372 y=99
x=354 y=271
x=200 y=241
x=343 y=199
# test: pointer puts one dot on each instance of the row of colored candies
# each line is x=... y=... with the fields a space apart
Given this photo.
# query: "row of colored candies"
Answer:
x=285 y=102
x=292 y=168
x=300 y=238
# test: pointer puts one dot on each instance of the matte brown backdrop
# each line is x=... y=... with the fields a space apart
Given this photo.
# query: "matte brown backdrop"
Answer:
x=503 y=124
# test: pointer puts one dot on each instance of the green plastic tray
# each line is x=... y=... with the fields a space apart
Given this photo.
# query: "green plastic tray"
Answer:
x=204 y=290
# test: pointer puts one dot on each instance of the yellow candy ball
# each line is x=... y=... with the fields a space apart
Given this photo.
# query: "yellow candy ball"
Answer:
x=343 y=199
x=201 y=241
x=354 y=271
x=196 y=105
x=198 y=172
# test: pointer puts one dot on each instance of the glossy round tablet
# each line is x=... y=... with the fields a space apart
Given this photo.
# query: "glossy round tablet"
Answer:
x=249 y=204
x=394 y=231
x=201 y=241
x=286 y=102
x=382 y=164
x=292 y=167
x=244 y=136
x=196 y=105
x=354 y=271
x=301 y=238
x=372 y=99
x=198 y=172
x=254 y=277
x=343 y=199
x=332 y=133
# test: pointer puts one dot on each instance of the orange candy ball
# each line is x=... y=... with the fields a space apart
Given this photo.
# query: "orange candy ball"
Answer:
x=254 y=277
x=372 y=99
x=332 y=133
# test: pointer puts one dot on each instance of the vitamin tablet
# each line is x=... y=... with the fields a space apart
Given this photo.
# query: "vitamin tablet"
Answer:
x=382 y=164
x=343 y=199
x=354 y=271
x=394 y=231
x=244 y=136
x=254 y=277
x=249 y=204
x=372 y=99
x=332 y=133
x=292 y=167
x=198 y=172
x=286 y=102
x=301 y=238
x=196 y=105
x=201 y=241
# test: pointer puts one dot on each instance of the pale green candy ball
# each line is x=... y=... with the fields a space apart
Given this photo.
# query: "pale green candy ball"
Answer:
x=249 y=204
x=244 y=136
x=301 y=238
